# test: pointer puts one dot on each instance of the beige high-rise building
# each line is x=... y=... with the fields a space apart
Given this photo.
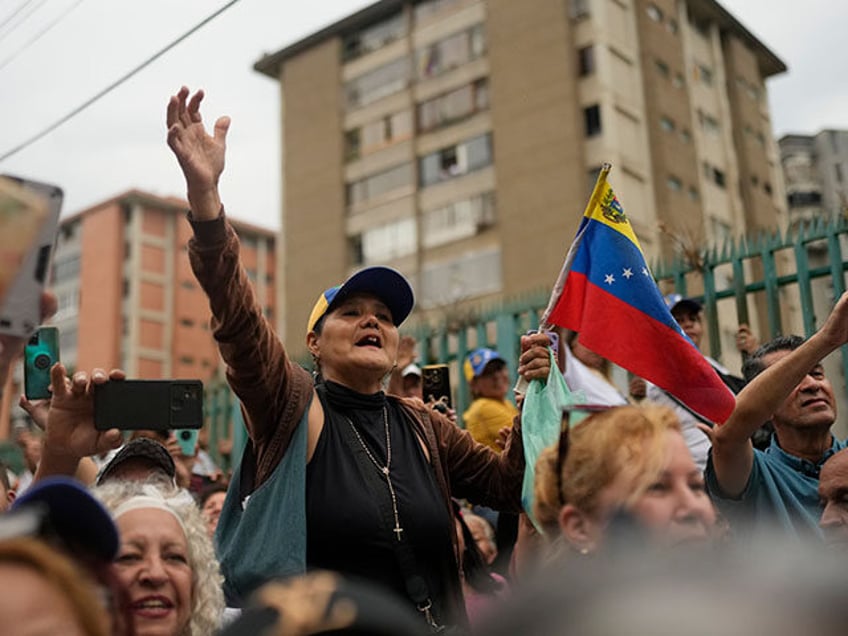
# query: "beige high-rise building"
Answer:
x=457 y=140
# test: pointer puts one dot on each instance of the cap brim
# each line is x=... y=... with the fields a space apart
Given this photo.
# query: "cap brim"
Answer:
x=387 y=284
x=75 y=515
x=688 y=305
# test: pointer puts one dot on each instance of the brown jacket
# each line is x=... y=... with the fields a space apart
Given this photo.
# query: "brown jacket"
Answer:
x=274 y=392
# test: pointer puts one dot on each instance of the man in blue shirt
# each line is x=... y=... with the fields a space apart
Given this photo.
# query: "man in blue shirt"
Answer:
x=778 y=488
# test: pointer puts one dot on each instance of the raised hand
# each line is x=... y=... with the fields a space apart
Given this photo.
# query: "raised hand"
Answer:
x=200 y=155
x=835 y=328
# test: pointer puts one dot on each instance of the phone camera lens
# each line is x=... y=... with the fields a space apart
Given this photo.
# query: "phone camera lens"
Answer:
x=42 y=361
x=185 y=435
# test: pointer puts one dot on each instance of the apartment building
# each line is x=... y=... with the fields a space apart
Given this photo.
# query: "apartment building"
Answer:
x=457 y=140
x=815 y=169
x=127 y=296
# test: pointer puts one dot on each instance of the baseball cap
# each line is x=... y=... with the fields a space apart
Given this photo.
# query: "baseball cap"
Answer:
x=476 y=362
x=74 y=515
x=411 y=369
x=145 y=449
x=322 y=602
x=677 y=303
x=387 y=284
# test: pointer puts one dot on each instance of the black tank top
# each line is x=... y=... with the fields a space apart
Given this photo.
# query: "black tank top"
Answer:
x=345 y=531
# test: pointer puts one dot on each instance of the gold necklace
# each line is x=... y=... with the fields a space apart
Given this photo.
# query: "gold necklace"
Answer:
x=384 y=470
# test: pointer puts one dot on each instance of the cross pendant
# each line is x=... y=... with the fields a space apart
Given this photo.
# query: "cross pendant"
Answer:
x=397 y=531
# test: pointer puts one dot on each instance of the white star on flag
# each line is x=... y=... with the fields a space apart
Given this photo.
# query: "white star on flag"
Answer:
x=645 y=271
x=609 y=279
x=627 y=273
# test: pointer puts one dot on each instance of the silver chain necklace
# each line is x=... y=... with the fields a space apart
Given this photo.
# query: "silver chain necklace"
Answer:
x=384 y=470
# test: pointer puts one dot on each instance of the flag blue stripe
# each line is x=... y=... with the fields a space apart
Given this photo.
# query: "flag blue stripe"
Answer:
x=611 y=261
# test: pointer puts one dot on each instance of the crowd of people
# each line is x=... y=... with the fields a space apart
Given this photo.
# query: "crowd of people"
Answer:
x=358 y=506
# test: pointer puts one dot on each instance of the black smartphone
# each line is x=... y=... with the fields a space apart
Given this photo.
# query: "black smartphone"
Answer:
x=40 y=354
x=148 y=404
x=435 y=384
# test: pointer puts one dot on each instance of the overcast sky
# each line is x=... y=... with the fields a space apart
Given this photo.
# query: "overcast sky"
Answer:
x=119 y=143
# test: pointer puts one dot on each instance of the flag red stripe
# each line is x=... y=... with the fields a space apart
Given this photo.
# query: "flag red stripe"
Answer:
x=652 y=350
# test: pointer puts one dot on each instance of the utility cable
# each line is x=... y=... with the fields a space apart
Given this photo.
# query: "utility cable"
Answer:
x=39 y=35
x=21 y=19
x=76 y=111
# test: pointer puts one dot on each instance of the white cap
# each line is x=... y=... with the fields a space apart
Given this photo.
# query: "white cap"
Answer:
x=411 y=369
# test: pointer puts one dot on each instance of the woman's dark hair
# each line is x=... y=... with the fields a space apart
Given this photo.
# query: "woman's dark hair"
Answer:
x=209 y=490
x=477 y=572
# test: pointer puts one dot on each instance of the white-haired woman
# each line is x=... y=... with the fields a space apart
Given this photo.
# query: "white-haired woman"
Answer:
x=166 y=563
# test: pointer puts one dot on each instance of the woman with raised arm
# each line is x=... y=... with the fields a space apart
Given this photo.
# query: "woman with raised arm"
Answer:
x=336 y=474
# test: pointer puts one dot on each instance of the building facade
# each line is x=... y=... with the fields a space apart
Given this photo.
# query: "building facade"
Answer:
x=458 y=140
x=815 y=169
x=127 y=296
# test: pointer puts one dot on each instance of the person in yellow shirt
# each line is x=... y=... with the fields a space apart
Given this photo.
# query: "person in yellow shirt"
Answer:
x=488 y=378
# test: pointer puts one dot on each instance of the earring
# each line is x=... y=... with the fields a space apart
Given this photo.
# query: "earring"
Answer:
x=583 y=551
x=316 y=365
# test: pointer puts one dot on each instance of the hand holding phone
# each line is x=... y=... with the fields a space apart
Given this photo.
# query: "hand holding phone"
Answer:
x=40 y=354
x=436 y=387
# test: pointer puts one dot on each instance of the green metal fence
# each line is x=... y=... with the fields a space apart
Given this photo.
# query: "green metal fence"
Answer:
x=763 y=270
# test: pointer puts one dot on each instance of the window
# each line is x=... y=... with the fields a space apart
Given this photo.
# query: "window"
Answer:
x=693 y=193
x=685 y=136
x=654 y=12
x=674 y=184
x=373 y=37
x=667 y=124
x=767 y=188
x=705 y=74
x=718 y=177
x=186 y=360
x=186 y=322
x=671 y=25
x=385 y=242
x=837 y=170
x=585 y=61
x=592 y=120
x=187 y=284
x=454 y=106
x=455 y=161
x=380 y=183
x=67 y=304
x=678 y=81
x=804 y=199
x=579 y=9
x=425 y=10
x=66 y=268
x=662 y=68
x=458 y=220
x=378 y=83
x=709 y=123
x=468 y=276
x=455 y=50
x=378 y=134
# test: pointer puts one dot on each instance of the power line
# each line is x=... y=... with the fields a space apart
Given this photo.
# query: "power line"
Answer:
x=76 y=111
x=22 y=18
x=38 y=35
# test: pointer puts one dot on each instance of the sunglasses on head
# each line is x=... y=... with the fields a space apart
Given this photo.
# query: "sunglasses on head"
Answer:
x=572 y=415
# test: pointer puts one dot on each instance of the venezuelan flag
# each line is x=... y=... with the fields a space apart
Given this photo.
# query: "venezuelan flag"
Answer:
x=607 y=293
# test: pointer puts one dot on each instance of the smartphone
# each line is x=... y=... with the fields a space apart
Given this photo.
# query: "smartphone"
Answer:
x=40 y=354
x=435 y=385
x=187 y=439
x=20 y=313
x=148 y=404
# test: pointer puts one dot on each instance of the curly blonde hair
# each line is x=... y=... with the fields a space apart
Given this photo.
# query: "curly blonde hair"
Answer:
x=207 y=592
x=625 y=441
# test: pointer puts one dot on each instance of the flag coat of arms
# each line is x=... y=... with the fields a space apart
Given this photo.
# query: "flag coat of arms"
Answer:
x=607 y=293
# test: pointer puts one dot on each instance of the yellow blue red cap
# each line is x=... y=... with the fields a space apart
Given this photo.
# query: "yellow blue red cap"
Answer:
x=476 y=362
x=387 y=284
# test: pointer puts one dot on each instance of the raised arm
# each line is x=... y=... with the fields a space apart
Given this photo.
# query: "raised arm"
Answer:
x=733 y=454
x=271 y=389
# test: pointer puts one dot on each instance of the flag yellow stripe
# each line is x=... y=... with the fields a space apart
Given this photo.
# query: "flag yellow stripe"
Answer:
x=595 y=209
